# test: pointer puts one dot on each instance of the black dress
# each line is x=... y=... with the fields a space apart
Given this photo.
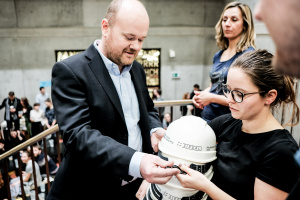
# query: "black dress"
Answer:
x=242 y=157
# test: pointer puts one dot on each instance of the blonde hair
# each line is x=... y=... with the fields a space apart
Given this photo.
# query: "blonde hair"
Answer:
x=248 y=34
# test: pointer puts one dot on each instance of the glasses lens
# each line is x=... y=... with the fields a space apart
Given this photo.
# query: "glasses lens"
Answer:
x=237 y=96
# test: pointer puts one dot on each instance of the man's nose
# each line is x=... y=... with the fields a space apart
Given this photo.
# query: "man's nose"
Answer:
x=135 y=45
x=257 y=11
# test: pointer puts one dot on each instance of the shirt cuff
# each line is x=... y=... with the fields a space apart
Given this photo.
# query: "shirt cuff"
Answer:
x=134 y=165
x=154 y=129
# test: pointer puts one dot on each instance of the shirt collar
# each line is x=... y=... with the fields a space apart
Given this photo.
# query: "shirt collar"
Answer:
x=111 y=67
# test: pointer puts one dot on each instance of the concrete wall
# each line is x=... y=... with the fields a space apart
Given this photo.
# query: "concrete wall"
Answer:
x=31 y=31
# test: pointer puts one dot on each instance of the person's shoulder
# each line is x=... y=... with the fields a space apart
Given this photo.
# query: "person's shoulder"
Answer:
x=79 y=58
x=281 y=139
x=221 y=120
x=249 y=49
x=217 y=56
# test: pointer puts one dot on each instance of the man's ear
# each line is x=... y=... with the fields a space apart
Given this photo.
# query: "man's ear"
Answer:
x=271 y=96
x=105 y=27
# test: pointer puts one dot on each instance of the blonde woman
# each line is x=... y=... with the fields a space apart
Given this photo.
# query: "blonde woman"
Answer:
x=234 y=35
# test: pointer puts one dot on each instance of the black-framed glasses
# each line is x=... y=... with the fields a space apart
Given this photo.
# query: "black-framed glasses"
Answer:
x=237 y=95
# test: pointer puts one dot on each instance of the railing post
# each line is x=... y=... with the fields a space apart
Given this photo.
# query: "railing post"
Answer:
x=171 y=113
x=46 y=163
x=34 y=173
x=21 y=177
x=58 y=147
x=5 y=166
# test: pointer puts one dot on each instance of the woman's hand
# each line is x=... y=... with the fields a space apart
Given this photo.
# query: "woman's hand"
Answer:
x=205 y=98
x=193 y=179
x=202 y=99
x=142 y=190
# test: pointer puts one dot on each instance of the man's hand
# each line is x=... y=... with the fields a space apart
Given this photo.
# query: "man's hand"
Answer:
x=153 y=170
x=156 y=138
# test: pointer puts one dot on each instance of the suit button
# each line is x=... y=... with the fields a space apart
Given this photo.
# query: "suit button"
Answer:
x=125 y=137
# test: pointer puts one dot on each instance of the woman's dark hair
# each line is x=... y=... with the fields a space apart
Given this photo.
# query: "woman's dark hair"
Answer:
x=258 y=66
x=25 y=102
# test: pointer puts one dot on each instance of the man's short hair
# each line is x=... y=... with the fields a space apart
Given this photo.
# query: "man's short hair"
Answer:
x=36 y=104
x=196 y=86
x=11 y=94
x=41 y=87
x=48 y=100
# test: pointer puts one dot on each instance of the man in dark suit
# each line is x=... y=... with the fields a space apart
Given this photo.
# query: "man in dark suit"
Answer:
x=12 y=107
x=106 y=115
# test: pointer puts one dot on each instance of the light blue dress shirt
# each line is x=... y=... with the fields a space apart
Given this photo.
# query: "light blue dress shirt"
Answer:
x=130 y=106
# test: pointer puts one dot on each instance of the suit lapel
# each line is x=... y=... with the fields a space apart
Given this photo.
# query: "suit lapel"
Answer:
x=96 y=64
x=139 y=93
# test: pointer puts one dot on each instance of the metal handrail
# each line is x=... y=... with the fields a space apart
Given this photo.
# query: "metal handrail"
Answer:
x=172 y=103
x=55 y=128
x=29 y=142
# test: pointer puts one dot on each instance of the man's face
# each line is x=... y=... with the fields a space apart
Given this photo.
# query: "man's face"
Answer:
x=282 y=18
x=42 y=91
x=36 y=151
x=11 y=97
x=25 y=158
x=36 y=108
x=124 y=39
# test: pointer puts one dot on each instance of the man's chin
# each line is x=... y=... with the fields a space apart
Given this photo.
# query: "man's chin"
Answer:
x=127 y=61
x=286 y=67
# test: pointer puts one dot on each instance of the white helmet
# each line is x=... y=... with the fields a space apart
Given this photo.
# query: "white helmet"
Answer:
x=188 y=140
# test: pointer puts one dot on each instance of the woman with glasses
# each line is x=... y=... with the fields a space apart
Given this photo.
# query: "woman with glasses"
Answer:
x=255 y=153
x=235 y=35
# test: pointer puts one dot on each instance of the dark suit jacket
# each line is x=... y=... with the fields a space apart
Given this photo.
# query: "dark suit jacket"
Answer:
x=18 y=108
x=90 y=117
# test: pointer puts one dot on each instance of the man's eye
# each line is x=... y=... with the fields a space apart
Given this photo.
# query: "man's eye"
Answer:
x=128 y=38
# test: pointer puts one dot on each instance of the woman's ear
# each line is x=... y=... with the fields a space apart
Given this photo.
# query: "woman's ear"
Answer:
x=271 y=96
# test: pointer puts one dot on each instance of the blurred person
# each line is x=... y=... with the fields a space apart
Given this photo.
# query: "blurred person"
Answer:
x=41 y=98
x=27 y=175
x=2 y=144
x=183 y=109
x=36 y=117
x=196 y=111
x=49 y=114
x=12 y=107
x=167 y=120
x=3 y=190
x=41 y=161
x=255 y=153
x=105 y=113
x=287 y=57
x=15 y=138
x=196 y=88
x=235 y=35
x=26 y=108
x=158 y=97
